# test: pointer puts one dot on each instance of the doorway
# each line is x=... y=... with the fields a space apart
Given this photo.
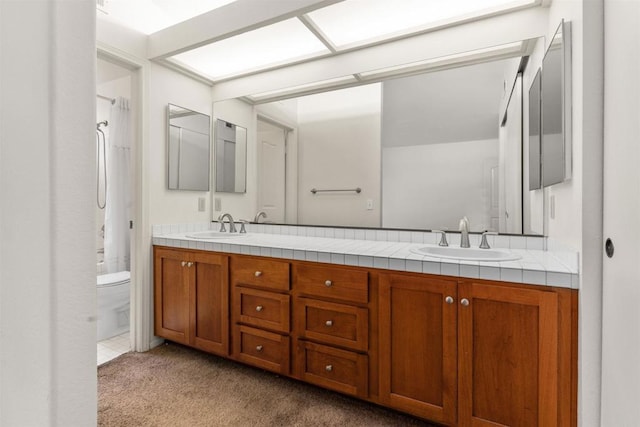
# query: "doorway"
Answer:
x=272 y=166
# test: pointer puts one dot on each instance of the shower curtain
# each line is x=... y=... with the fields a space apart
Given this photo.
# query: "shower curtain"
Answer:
x=117 y=211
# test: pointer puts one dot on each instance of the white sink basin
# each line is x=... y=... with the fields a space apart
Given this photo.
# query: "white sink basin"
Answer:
x=467 y=254
x=214 y=235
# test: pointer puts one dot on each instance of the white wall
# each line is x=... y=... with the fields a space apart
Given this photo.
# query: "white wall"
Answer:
x=459 y=169
x=339 y=148
x=47 y=261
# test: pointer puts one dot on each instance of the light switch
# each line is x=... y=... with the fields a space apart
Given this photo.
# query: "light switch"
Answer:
x=369 y=204
x=218 y=202
x=201 y=204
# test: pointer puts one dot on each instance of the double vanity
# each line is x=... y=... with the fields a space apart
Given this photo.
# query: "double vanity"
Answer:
x=458 y=336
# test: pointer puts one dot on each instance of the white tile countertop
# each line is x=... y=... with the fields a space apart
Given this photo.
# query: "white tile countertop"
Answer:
x=536 y=266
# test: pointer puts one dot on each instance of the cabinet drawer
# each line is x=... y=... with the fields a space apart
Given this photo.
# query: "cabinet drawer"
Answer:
x=261 y=348
x=264 y=309
x=263 y=273
x=337 y=283
x=335 y=324
x=340 y=370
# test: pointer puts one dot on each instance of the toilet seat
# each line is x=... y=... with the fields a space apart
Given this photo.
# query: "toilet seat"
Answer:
x=114 y=279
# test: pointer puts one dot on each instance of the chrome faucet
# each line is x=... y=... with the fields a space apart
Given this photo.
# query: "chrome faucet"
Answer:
x=261 y=214
x=232 y=225
x=464 y=230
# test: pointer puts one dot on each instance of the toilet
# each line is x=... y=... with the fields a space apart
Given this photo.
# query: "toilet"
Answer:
x=113 y=304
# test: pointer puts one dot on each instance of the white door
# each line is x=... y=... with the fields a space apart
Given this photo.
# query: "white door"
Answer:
x=621 y=273
x=271 y=171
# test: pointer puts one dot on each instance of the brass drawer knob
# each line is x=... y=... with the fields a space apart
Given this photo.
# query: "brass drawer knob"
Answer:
x=329 y=323
x=449 y=300
x=328 y=283
x=184 y=263
x=259 y=308
x=258 y=273
x=189 y=264
x=258 y=348
x=328 y=368
x=464 y=302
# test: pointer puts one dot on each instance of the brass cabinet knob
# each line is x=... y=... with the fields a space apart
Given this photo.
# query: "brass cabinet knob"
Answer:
x=258 y=273
x=328 y=368
x=464 y=302
x=328 y=283
x=259 y=308
x=449 y=300
x=258 y=348
x=184 y=263
x=329 y=323
x=189 y=264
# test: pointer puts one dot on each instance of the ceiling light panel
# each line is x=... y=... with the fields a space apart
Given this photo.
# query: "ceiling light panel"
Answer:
x=354 y=22
x=149 y=16
x=276 y=44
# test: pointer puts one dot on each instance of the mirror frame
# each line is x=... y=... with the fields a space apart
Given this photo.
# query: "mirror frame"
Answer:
x=208 y=181
x=535 y=132
x=563 y=31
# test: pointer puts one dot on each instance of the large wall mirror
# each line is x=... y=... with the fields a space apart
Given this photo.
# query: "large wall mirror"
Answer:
x=423 y=147
x=556 y=108
x=188 y=149
x=230 y=157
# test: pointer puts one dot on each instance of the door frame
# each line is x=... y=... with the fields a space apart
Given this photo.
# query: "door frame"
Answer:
x=290 y=166
x=141 y=321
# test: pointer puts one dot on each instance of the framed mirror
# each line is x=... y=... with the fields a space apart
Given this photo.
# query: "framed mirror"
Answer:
x=230 y=157
x=535 y=136
x=556 y=108
x=188 y=149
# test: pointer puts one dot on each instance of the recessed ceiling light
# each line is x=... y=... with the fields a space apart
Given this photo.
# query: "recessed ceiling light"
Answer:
x=149 y=16
x=360 y=21
x=283 y=42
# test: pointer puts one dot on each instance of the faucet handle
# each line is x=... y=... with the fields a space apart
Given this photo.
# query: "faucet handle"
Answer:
x=443 y=238
x=242 y=225
x=222 y=227
x=484 y=244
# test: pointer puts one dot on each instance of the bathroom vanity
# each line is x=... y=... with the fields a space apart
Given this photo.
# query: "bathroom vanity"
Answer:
x=451 y=349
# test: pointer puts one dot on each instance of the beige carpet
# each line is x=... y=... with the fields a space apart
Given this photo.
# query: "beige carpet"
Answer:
x=173 y=385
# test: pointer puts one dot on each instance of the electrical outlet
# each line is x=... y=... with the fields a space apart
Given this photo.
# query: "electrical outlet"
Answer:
x=218 y=202
x=369 y=204
x=201 y=204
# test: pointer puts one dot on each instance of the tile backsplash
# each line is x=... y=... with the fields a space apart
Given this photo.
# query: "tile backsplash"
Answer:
x=501 y=241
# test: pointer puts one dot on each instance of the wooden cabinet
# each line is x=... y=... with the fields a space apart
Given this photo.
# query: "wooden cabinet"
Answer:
x=460 y=352
x=191 y=298
x=507 y=356
x=331 y=327
x=418 y=346
x=475 y=353
x=261 y=312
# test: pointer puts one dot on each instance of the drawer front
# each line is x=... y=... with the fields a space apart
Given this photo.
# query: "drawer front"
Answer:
x=261 y=348
x=262 y=273
x=335 y=324
x=340 y=370
x=264 y=309
x=337 y=283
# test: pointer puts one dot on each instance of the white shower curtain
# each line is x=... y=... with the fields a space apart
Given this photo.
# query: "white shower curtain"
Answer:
x=117 y=211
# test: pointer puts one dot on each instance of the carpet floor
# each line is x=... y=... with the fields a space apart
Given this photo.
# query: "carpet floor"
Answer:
x=176 y=386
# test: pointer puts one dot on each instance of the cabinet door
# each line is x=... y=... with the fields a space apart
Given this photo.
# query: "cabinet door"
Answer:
x=508 y=356
x=209 y=322
x=418 y=346
x=171 y=295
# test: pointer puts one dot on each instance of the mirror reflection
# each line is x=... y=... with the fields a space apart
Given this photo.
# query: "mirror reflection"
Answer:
x=230 y=157
x=188 y=149
x=556 y=108
x=424 y=149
